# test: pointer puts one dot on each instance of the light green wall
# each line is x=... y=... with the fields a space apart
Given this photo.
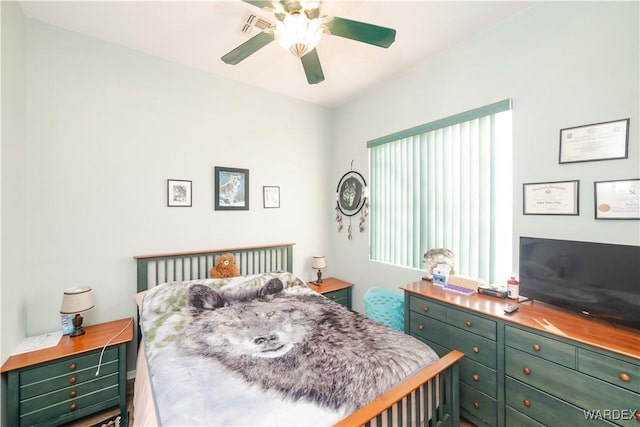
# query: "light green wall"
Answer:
x=564 y=64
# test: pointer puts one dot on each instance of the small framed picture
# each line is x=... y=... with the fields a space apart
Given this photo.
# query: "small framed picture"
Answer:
x=231 y=189
x=178 y=193
x=617 y=199
x=551 y=198
x=271 y=196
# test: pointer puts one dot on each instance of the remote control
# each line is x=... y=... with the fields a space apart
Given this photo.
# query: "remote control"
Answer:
x=510 y=308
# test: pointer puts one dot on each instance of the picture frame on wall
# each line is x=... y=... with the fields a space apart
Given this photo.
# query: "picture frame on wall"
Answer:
x=619 y=199
x=271 y=196
x=598 y=141
x=178 y=193
x=551 y=198
x=231 y=189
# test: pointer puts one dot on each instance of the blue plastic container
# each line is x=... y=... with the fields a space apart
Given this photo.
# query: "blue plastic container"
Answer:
x=385 y=307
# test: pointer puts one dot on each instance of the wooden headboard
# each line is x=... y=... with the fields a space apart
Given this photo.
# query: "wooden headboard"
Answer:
x=161 y=268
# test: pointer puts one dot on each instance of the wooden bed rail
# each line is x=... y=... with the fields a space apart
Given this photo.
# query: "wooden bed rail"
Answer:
x=446 y=364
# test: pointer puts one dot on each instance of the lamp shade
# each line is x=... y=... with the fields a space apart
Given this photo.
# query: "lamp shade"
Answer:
x=77 y=300
x=319 y=262
x=298 y=34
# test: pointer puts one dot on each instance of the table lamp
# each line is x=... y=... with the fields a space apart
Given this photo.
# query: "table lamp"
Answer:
x=76 y=301
x=318 y=263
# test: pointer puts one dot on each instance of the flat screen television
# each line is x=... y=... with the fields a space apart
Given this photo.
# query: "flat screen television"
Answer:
x=599 y=280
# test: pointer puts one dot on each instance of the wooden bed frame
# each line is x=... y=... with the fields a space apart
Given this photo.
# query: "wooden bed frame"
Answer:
x=430 y=397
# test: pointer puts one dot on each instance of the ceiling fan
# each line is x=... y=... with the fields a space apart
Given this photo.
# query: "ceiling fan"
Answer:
x=299 y=28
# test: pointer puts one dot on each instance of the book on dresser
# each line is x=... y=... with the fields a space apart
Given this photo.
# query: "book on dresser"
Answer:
x=537 y=366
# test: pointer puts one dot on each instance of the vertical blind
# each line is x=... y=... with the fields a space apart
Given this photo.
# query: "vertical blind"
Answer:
x=443 y=185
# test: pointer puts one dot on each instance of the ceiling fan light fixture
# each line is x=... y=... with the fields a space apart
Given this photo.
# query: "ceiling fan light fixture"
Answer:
x=298 y=34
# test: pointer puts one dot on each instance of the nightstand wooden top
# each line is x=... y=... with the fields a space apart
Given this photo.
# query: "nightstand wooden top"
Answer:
x=95 y=337
x=329 y=284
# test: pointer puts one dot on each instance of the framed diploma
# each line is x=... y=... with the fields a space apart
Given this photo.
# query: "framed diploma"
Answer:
x=551 y=198
x=617 y=199
x=599 y=141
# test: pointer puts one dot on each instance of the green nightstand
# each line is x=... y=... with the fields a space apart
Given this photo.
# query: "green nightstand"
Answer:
x=334 y=289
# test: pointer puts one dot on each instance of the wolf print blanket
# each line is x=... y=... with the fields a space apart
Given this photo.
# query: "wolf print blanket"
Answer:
x=266 y=350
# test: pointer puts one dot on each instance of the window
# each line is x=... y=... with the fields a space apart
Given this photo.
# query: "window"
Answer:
x=445 y=184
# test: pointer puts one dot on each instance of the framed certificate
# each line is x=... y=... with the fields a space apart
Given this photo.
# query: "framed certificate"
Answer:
x=617 y=199
x=551 y=198
x=599 y=141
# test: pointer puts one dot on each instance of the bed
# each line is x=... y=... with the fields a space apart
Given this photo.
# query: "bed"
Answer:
x=264 y=349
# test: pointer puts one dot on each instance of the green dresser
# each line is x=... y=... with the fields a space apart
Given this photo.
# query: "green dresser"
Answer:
x=539 y=366
x=70 y=381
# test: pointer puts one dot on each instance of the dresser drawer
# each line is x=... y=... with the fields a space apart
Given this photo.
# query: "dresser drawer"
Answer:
x=577 y=388
x=478 y=376
x=514 y=418
x=472 y=323
x=478 y=404
x=430 y=329
x=97 y=400
x=549 y=349
x=440 y=350
x=84 y=370
x=66 y=365
x=612 y=370
x=545 y=408
x=428 y=308
x=473 y=346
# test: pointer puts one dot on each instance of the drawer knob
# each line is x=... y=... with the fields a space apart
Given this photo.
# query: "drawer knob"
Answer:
x=475 y=377
x=468 y=323
x=72 y=407
x=527 y=371
x=333 y=297
x=420 y=327
x=72 y=393
x=526 y=403
x=476 y=349
x=476 y=405
x=624 y=377
x=72 y=367
x=637 y=415
x=72 y=380
x=536 y=347
x=425 y=308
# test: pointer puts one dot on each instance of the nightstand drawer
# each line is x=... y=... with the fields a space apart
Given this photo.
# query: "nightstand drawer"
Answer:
x=70 y=393
x=612 y=370
x=478 y=376
x=67 y=372
x=478 y=404
x=428 y=308
x=472 y=323
x=342 y=296
x=545 y=408
x=102 y=398
x=546 y=348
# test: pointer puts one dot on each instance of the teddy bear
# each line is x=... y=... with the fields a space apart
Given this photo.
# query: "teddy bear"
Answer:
x=225 y=267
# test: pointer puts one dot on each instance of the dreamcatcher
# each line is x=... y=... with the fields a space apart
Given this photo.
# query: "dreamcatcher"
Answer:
x=351 y=198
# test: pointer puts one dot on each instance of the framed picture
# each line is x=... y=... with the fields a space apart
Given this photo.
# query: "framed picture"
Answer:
x=178 y=193
x=599 y=141
x=617 y=199
x=551 y=198
x=271 y=196
x=231 y=189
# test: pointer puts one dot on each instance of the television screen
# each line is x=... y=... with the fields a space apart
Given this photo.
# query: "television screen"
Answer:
x=600 y=280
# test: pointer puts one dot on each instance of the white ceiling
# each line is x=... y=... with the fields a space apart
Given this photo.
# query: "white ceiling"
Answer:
x=198 y=33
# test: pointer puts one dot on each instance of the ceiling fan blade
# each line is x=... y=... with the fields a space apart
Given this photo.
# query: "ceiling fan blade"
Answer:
x=312 y=67
x=362 y=32
x=247 y=48
x=259 y=3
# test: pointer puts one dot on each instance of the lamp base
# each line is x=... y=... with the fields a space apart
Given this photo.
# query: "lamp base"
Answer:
x=77 y=326
x=319 y=277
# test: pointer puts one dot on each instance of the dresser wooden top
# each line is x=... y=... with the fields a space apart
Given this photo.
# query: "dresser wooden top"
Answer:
x=540 y=316
x=95 y=337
